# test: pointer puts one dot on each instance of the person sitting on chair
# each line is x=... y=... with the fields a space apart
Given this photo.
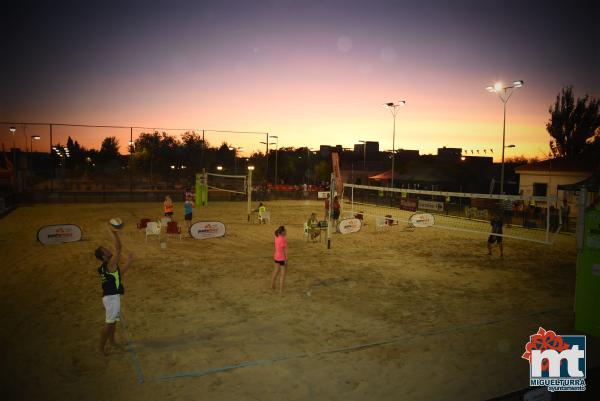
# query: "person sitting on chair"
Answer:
x=313 y=226
x=261 y=210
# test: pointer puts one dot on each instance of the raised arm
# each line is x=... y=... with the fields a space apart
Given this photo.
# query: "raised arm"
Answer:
x=117 y=255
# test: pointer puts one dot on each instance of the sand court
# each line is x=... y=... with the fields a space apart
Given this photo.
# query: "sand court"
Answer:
x=421 y=314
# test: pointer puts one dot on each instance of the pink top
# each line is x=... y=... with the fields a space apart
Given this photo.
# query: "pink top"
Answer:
x=280 y=248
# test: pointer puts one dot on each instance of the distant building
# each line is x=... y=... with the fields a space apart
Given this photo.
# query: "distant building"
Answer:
x=543 y=178
x=406 y=154
x=326 y=150
x=449 y=153
x=371 y=148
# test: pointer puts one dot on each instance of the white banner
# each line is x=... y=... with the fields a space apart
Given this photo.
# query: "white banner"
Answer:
x=59 y=234
x=431 y=205
x=207 y=229
x=348 y=226
x=422 y=220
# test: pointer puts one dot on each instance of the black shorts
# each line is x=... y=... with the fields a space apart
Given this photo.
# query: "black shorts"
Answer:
x=169 y=214
x=281 y=262
x=494 y=238
x=188 y=217
x=336 y=214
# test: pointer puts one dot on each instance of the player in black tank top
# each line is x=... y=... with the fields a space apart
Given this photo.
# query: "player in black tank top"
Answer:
x=111 y=277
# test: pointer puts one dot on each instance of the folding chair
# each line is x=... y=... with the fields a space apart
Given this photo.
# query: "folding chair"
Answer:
x=143 y=223
x=306 y=231
x=380 y=223
x=173 y=229
x=264 y=217
x=153 y=228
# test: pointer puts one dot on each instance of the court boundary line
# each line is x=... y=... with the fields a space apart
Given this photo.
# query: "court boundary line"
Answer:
x=356 y=347
x=139 y=373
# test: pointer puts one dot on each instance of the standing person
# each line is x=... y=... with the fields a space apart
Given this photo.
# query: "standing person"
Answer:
x=335 y=214
x=168 y=206
x=497 y=224
x=326 y=208
x=111 y=277
x=187 y=211
x=280 y=258
x=507 y=209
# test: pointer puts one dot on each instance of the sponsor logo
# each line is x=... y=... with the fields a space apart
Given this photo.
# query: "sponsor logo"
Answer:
x=59 y=234
x=431 y=205
x=207 y=229
x=422 y=220
x=348 y=226
x=556 y=362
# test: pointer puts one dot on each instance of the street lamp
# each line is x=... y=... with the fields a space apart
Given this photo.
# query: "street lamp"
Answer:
x=276 y=153
x=235 y=150
x=504 y=93
x=219 y=168
x=12 y=131
x=364 y=154
x=393 y=107
x=267 y=172
x=33 y=137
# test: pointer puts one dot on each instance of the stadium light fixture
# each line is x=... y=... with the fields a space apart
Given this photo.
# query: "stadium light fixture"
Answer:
x=33 y=138
x=220 y=168
x=393 y=108
x=251 y=168
x=172 y=167
x=504 y=93
x=183 y=167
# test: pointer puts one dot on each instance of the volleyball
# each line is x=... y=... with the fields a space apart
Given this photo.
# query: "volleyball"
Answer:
x=116 y=223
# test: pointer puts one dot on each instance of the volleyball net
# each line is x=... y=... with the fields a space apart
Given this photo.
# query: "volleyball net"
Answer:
x=529 y=218
x=236 y=184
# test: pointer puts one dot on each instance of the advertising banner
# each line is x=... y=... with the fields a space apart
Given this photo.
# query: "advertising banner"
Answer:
x=422 y=220
x=59 y=234
x=207 y=229
x=431 y=205
x=348 y=226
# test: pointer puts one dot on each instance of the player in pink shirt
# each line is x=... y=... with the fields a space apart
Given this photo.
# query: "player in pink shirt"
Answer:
x=280 y=257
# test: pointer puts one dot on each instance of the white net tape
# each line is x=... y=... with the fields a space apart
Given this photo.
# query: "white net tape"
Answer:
x=531 y=218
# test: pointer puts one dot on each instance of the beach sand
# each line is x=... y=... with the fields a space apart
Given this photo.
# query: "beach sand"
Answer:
x=421 y=314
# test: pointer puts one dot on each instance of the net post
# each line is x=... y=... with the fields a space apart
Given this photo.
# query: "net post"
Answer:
x=249 y=190
x=204 y=187
x=331 y=195
x=548 y=220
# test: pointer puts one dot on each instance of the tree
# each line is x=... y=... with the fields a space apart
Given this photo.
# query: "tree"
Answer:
x=109 y=148
x=573 y=124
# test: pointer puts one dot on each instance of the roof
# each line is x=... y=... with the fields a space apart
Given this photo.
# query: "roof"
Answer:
x=558 y=164
x=386 y=175
x=592 y=183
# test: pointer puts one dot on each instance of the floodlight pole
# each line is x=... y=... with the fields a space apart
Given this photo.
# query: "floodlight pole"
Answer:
x=504 y=93
x=393 y=109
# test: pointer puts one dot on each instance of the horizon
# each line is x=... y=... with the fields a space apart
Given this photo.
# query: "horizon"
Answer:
x=311 y=73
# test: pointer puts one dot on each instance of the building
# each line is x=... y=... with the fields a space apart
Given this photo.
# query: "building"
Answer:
x=371 y=148
x=449 y=153
x=543 y=178
x=553 y=177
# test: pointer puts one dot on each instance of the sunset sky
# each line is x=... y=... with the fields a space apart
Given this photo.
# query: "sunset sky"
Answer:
x=311 y=72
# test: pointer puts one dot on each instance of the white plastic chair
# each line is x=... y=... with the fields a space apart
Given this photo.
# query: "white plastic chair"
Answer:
x=153 y=228
x=306 y=231
x=264 y=217
x=380 y=223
